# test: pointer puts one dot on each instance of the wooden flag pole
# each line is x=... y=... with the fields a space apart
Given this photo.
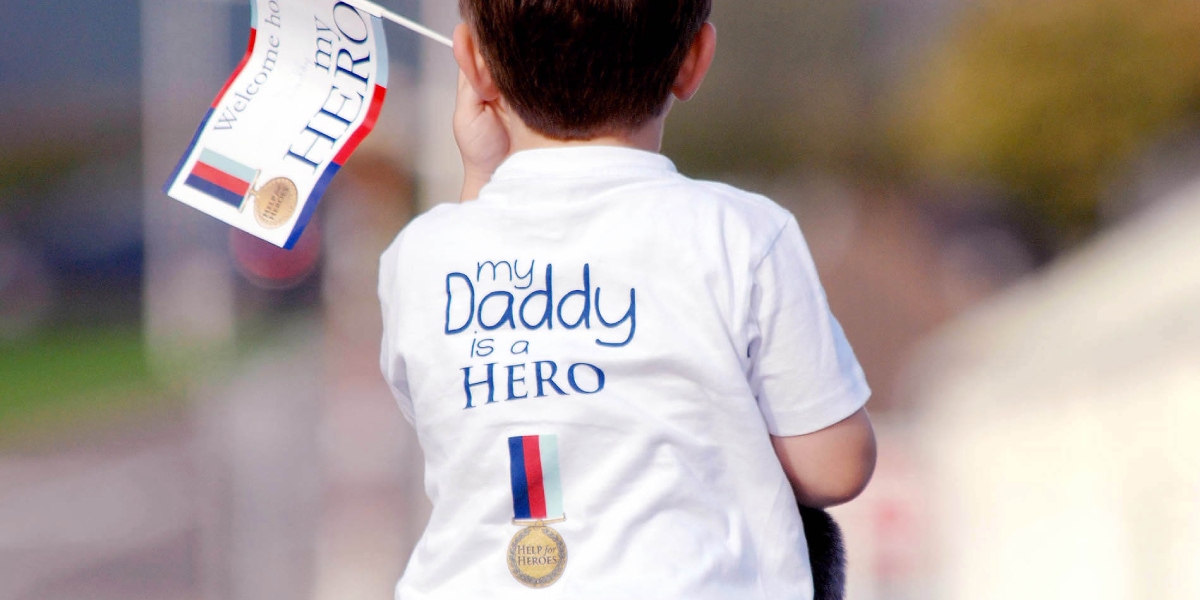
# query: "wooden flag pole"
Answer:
x=383 y=13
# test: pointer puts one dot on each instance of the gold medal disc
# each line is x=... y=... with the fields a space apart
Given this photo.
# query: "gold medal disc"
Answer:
x=537 y=556
x=275 y=202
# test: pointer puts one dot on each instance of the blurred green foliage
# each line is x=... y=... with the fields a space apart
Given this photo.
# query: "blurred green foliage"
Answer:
x=1051 y=98
x=786 y=93
x=65 y=378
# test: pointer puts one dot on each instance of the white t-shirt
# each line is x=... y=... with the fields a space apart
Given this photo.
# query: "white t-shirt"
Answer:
x=660 y=327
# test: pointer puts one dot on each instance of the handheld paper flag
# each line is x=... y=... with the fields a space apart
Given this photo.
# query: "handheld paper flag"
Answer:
x=307 y=93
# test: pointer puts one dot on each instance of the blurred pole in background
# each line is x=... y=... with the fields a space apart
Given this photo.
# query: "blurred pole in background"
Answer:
x=188 y=291
x=254 y=420
x=260 y=478
x=438 y=165
x=187 y=295
x=188 y=288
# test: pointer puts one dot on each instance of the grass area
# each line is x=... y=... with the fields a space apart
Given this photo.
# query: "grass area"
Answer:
x=69 y=377
x=66 y=380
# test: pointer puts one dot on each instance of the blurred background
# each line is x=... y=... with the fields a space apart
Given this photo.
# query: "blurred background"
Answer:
x=1002 y=197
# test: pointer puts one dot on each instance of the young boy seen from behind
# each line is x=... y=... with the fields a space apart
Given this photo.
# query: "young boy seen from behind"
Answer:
x=623 y=380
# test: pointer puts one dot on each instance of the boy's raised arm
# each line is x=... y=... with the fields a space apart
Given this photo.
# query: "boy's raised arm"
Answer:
x=831 y=466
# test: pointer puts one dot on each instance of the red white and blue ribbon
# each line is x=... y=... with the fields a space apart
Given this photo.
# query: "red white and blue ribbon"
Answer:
x=536 y=486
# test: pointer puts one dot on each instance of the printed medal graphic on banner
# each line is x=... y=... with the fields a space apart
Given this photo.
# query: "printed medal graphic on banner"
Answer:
x=537 y=555
x=306 y=94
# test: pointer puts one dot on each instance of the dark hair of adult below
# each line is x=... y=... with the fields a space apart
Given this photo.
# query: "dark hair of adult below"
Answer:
x=579 y=69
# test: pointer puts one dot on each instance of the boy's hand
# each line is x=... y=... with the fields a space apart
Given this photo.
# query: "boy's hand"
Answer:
x=483 y=139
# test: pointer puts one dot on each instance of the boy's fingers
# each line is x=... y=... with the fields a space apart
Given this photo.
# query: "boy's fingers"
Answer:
x=465 y=108
x=462 y=81
x=463 y=88
x=467 y=98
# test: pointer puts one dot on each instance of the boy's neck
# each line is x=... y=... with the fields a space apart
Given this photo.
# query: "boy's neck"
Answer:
x=521 y=137
x=648 y=138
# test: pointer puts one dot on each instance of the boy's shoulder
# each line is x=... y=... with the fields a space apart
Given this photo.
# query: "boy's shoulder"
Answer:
x=751 y=204
x=737 y=211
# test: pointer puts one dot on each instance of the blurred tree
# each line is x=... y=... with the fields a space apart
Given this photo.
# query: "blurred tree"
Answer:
x=787 y=91
x=1049 y=98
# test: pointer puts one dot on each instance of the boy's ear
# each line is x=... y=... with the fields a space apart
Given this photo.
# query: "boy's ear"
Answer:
x=470 y=61
x=695 y=65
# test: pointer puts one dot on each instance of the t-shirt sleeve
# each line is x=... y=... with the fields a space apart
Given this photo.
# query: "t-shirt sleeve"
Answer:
x=803 y=371
x=391 y=360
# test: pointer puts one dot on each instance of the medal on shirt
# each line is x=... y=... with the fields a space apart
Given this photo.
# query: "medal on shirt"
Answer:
x=537 y=554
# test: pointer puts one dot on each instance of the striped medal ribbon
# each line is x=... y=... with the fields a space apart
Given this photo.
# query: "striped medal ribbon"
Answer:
x=537 y=554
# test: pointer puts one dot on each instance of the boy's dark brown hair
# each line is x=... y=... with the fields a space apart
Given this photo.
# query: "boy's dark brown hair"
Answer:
x=578 y=69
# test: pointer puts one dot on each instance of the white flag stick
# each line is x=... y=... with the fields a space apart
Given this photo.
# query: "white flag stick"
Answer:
x=383 y=13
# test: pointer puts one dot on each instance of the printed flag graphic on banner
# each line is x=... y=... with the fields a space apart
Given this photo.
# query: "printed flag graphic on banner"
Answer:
x=306 y=94
x=221 y=177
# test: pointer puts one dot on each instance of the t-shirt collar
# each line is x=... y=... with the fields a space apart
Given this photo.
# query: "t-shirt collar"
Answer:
x=582 y=162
